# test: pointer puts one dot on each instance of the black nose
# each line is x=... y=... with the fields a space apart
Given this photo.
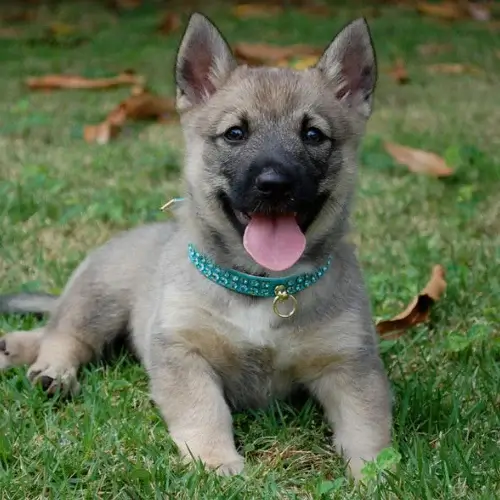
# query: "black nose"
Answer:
x=273 y=183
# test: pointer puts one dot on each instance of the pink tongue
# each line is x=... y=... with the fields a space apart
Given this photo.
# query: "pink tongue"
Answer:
x=275 y=243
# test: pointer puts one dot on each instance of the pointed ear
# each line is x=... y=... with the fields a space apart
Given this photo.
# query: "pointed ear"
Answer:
x=204 y=61
x=349 y=64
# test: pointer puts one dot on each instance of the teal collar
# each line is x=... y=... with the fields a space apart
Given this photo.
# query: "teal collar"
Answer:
x=281 y=289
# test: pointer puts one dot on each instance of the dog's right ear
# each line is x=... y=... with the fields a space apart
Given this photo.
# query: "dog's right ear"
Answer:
x=204 y=62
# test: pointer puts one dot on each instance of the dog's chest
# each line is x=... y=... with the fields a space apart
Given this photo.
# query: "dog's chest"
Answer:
x=254 y=373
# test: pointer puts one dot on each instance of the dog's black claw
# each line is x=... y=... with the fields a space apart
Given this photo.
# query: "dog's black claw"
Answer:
x=46 y=382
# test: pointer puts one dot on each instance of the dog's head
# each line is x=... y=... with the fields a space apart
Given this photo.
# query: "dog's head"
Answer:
x=271 y=153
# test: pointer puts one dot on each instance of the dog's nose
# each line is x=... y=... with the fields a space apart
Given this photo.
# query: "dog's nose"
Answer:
x=273 y=183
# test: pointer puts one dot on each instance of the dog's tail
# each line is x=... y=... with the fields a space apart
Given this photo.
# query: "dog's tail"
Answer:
x=28 y=303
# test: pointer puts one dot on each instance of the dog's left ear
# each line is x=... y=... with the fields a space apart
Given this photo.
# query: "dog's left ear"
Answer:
x=349 y=64
x=204 y=62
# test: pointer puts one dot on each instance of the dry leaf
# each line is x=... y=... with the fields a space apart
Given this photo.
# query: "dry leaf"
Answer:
x=418 y=161
x=246 y=10
x=23 y=16
x=451 y=11
x=141 y=105
x=399 y=72
x=261 y=53
x=430 y=49
x=418 y=310
x=453 y=68
x=303 y=62
x=170 y=23
x=50 y=82
x=316 y=10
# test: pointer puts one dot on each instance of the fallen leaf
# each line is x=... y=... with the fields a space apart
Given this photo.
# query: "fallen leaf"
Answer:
x=451 y=11
x=126 y=4
x=246 y=10
x=453 y=68
x=170 y=23
x=454 y=11
x=399 y=73
x=316 y=10
x=497 y=53
x=23 y=16
x=430 y=49
x=50 y=82
x=418 y=310
x=303 y=62
x=140 y=105
x=261 y=53
x=418 y=161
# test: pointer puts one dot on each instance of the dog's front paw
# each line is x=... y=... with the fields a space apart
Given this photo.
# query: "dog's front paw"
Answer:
x=230 y=468
x=223 y=462
x=5 y=355
x=55 y=378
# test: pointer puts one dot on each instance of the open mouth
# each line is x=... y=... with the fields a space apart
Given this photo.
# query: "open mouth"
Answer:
x=274 y=239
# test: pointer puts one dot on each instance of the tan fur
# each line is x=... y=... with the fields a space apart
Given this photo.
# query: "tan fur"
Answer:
x=208 y=349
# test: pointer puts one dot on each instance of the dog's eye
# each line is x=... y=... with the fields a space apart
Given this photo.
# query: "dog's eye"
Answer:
x=235 y=134
x=313 y=135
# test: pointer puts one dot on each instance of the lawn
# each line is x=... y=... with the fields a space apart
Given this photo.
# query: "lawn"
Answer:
x=60 y=197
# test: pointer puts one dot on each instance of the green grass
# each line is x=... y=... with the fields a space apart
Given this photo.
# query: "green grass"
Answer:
x=59 y=197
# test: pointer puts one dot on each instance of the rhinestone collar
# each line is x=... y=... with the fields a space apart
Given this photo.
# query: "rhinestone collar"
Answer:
x=283 y=290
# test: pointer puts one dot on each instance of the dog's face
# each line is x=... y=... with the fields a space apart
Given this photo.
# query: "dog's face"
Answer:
x=270 y=152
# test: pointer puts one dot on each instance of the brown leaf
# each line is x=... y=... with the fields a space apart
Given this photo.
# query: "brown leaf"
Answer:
x=50 y=82
x=418 y=310
x=316 y=10
x=303 y=63
x=261 y=53
x=399 y=72
x=453 y=68
x=22 y=16
x=170 y=23
x=430 y=49
x=141 y=105
x=497 y=53
x=246 y=10
x=418 y=161
x=451 y=11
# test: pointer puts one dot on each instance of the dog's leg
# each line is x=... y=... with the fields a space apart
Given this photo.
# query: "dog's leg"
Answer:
x=20 y=348
x=356 y=400
x=190 y=397
x=62 y=352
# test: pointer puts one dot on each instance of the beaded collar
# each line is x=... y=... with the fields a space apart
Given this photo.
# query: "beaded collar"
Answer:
x=281 y=289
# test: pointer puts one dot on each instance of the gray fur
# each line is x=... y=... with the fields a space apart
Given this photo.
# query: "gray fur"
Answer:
x=35 y=303
x=206 y=348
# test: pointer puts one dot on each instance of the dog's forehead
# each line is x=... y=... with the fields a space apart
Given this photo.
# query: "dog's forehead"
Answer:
x=274 y=92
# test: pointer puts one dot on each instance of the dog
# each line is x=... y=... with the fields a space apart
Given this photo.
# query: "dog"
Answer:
x=252 y=289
